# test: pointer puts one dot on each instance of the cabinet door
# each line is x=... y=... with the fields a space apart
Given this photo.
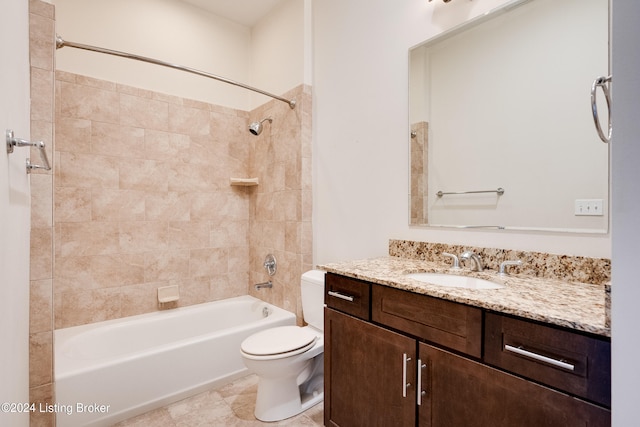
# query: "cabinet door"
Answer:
x=366 y=371
x=461 y=392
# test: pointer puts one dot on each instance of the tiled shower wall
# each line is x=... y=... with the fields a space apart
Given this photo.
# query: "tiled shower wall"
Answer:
x=280 y=208
x=143 y=199
x=140 y=198
x=41 y=49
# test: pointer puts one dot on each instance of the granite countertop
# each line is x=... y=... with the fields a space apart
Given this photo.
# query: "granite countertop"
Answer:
x=579 y=306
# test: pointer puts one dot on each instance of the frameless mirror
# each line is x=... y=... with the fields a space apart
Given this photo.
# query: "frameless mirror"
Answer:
x=502 y=133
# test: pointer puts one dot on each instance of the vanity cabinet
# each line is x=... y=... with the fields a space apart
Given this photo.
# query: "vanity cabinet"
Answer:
x=364 y=369
x=463 y=392
x=416 y=360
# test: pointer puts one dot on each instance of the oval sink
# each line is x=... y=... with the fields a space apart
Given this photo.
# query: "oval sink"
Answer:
x=454 y=281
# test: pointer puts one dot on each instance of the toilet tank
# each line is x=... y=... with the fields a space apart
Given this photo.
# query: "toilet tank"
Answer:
x=312 y=290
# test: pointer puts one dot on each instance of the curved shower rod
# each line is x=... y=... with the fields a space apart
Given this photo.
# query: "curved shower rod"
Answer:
x=60 y=43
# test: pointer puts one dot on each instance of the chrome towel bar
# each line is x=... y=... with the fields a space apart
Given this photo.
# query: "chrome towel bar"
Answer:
x=12 y=142
x=500 y=192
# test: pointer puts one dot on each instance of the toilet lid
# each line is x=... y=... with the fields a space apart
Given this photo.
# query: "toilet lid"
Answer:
x=283 y=339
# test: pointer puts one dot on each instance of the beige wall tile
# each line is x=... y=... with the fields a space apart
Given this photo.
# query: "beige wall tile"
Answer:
x=168 y=206
x=117 y=205
x=41 y=48
x=73 y=135
x=72 y=204
x=41 y=95
x=87 y=170
x=42 y=8
x=208 y=262
x=87 y=238
x=41 y=306
x=86 y=102
x=188 y=120
x=111 y=139
x=41 y=256
x=166 y=265
x=41 y=200
x=143 y=236
x=40 y=360
x=143 y=200
x=44 y=394
x=144 y=175
x=160 y=145
x=188 y=234
x=41 y=27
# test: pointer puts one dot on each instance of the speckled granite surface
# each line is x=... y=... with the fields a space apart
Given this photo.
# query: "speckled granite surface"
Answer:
x=571 y=304
x=535 y=264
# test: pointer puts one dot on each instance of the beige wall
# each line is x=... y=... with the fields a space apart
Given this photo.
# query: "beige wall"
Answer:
x=361 y=132
x=270 y=56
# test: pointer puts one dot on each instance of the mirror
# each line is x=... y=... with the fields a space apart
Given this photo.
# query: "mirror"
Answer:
x=503 y=102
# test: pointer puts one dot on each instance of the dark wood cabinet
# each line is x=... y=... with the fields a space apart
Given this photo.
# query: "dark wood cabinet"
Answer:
x=462 y=392
x=365 y=367
x=413 y=360
x=573 y=362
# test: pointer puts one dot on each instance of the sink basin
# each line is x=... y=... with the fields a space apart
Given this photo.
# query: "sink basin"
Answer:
x=454 y=281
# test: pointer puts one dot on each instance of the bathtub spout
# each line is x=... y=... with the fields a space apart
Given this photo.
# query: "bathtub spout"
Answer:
x=259 y=286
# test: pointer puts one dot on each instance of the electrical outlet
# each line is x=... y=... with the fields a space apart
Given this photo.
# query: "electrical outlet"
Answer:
x=589 y=207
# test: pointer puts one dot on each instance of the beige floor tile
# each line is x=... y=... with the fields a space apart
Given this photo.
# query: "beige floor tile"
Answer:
x=230 y=406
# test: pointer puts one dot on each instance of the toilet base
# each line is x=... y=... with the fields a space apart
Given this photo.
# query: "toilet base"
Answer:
x=278 y=400
x=281 y=398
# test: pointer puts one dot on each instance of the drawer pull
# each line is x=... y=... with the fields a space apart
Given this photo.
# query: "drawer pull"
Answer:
x=559 y=363
x=341 y=296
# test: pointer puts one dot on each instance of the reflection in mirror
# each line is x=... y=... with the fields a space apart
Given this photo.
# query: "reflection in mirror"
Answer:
x=504 y=102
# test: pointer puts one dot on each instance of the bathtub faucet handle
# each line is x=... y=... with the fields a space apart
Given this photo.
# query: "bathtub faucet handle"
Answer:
x=270 y=264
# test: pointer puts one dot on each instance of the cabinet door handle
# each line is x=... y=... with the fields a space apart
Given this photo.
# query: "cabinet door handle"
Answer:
x=419 y=391
x=405 y=384
x=341 y=296
x=521 y=351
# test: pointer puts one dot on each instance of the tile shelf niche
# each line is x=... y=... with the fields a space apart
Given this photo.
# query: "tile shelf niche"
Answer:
x=244 y=182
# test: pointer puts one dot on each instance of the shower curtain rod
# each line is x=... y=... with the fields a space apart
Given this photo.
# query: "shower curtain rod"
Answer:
x=60 y=43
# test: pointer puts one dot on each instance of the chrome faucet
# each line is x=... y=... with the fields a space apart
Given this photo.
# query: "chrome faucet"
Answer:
x=476 y=260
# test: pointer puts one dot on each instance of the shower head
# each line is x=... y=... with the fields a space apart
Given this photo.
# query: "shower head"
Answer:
x=256 y=127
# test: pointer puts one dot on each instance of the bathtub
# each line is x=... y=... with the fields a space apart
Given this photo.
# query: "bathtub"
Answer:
x=108 y=371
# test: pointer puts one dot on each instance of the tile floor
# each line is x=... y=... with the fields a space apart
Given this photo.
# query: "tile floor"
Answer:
x=229 y=406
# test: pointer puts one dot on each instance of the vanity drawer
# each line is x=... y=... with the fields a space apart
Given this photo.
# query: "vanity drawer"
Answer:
x=351 y=296
x=449 y=324
x=569 y=361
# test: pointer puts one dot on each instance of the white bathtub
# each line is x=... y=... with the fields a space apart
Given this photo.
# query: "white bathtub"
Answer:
x=109 y=371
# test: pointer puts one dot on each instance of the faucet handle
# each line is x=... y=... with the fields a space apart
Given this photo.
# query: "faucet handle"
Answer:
x=504 y=264
x=456 y=263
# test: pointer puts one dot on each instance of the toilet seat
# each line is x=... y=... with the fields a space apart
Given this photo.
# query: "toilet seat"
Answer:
x=283 y=341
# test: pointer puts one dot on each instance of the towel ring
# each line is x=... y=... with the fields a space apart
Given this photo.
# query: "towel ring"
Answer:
x=601 y=82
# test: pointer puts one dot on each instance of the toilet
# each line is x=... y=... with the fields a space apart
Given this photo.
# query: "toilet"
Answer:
x=289 y=360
